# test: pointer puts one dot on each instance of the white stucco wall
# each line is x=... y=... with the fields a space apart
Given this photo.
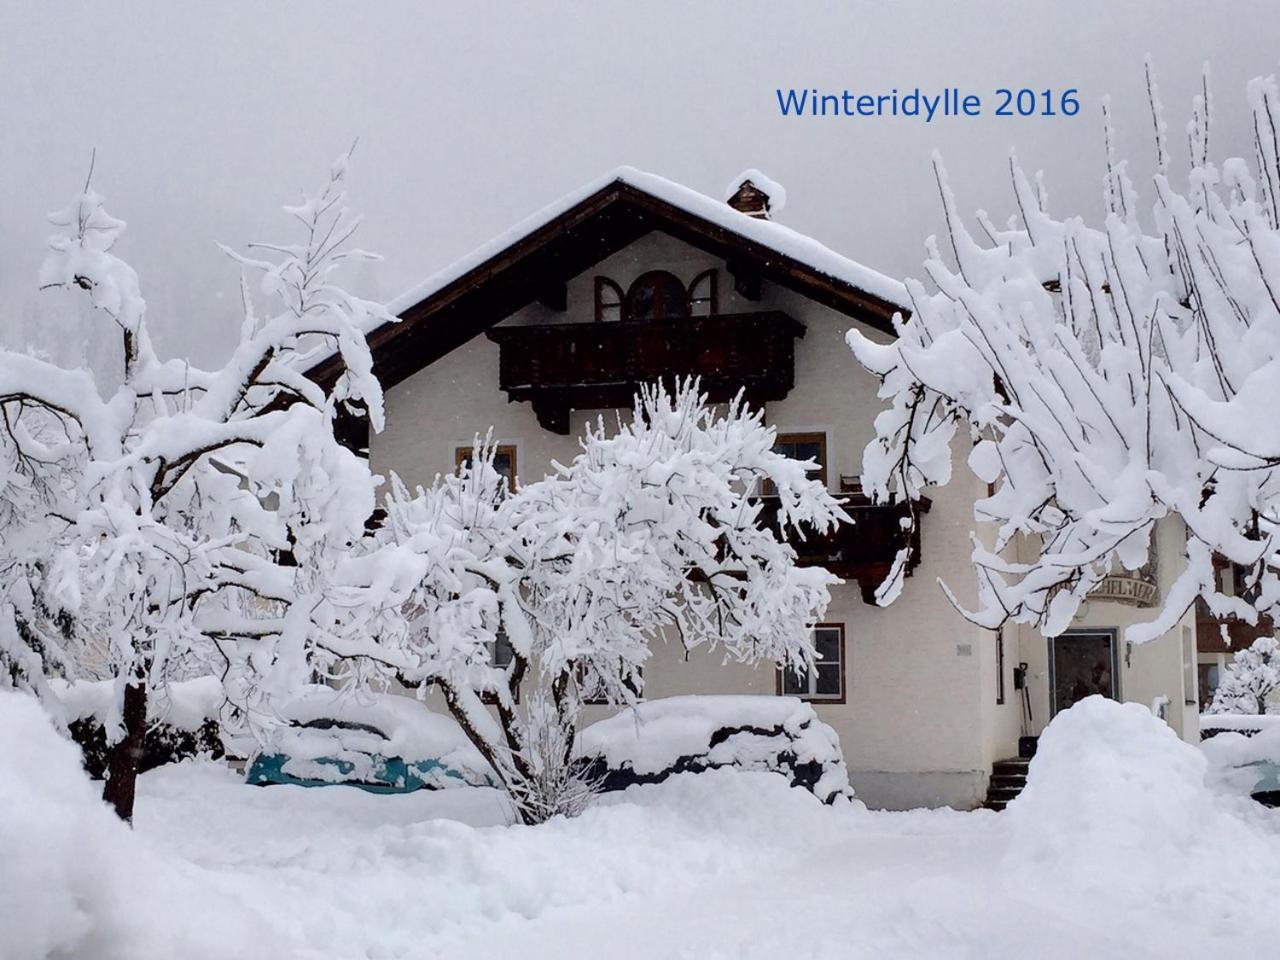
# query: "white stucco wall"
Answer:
x=920 y=724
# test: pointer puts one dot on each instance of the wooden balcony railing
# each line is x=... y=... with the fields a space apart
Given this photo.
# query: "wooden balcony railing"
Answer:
x=560 y=367
x=862 y=551
x=1209 y=633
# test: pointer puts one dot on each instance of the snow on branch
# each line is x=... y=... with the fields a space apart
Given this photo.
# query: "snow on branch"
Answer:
x=1112 y=377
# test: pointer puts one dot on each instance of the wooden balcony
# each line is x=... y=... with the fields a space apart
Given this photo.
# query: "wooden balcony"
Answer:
x=862 y=551
x=561 y=367
x=1209 y=635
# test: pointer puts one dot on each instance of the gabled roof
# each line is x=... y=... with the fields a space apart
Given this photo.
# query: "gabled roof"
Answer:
x=539 y=254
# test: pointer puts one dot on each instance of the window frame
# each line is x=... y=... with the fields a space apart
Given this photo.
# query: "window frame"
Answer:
x=602 y=284
x=1000 y=666
x=670 y=280
x=711 y=299
x=580 y=678
x=844 y=673
x=491 y=699
x=512 y=450
x=822 y=437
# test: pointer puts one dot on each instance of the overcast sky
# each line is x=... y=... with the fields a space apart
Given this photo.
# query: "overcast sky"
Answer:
x=473 y=115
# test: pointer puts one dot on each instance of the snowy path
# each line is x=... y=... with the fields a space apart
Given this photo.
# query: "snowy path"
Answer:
x=721 y=866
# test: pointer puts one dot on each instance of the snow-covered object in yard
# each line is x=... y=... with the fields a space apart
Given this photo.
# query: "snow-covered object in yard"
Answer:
x=653 y=740
x=1251 y=677
x=781 y=239
x=1246 y=759
x=1246 y=723
x=182 y=704
x=1107 y=763
x=380 y=741
x=78 y=884
x=771 y=188
x=1111 y=376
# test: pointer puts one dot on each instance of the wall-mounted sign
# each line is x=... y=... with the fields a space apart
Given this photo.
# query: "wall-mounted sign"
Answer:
x=1138 y=587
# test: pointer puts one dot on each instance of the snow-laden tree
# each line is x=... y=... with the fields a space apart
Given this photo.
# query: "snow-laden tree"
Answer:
x=554 y=590
x=184 y=520
x=1112 y=377
x=1245 y=685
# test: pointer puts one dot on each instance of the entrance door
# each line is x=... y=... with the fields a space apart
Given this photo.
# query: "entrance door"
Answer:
x=1082 y=664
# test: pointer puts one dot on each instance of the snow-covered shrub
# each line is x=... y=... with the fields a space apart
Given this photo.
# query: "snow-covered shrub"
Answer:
x=1111 y=376
x=77 y=884
x=182 y=723
x=154 y=524
x=651 y=741
x=1252 y=676
x=652 y=533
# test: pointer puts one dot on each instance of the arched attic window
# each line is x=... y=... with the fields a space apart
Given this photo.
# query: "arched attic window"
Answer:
x=703 y=294
x=657 y=295
x=609 y=299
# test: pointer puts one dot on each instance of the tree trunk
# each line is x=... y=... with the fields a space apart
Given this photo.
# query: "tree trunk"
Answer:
x=126 y=753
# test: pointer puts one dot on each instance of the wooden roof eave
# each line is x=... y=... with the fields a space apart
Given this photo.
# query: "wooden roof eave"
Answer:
x=428 y=315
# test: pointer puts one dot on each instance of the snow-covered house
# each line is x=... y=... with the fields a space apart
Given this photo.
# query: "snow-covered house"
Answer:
x=633 y=278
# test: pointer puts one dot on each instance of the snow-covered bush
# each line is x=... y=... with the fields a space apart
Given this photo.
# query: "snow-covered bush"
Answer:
x=182 y=722
x=650 y=533
x=165 y=527
x=649 y=742
x=1111 y=376
x=1252 y=676
x=77 y=883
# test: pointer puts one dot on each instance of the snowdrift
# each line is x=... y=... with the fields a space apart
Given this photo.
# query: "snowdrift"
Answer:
x=651 y=741
x=77 y=883
x=1117 y=816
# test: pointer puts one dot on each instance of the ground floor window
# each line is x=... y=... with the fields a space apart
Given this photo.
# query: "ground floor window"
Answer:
x=1000 y=666
x=825 y=682
x=1210 y=674
x=501 y=654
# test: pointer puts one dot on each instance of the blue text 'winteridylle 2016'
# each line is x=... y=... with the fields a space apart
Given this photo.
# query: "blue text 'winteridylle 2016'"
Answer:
x=915 y=103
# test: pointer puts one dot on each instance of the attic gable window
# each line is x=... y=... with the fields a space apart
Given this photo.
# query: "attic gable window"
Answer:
x=657 y=295
x=702 y=295
x=609 y=299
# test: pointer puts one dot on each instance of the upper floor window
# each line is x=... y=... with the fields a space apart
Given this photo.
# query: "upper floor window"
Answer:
x=657 y=295
x=609 y=297
x=504 y=461
x=826 y=680
x=702 y=294
x=802 y=446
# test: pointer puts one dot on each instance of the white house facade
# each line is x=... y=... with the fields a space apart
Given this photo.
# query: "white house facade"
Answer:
x=634 y=277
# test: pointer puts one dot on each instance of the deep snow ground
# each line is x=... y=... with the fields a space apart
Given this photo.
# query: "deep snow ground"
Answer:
x=1116 y=850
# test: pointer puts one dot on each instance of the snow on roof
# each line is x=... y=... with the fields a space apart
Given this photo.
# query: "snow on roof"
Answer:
x=784 y=240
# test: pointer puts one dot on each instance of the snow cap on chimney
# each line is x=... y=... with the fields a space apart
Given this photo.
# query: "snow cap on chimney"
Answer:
x=756 y=195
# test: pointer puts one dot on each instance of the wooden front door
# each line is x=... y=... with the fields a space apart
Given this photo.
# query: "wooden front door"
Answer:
x=1082 y=664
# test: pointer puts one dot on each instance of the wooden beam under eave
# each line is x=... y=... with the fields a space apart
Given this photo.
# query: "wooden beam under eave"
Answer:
x=747 y=281
x=555 y=296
